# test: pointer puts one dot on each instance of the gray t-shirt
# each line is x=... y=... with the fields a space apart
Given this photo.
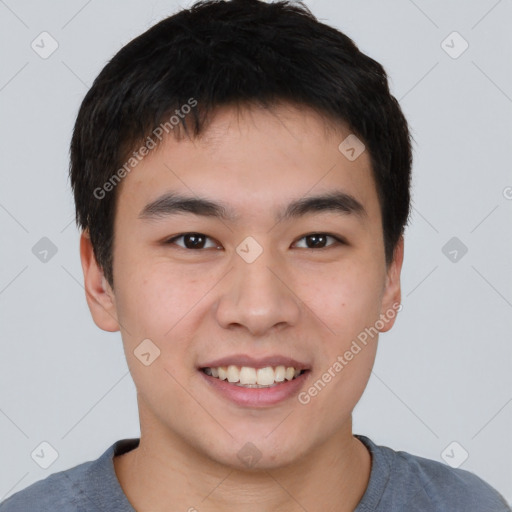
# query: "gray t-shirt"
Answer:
x=399 y=481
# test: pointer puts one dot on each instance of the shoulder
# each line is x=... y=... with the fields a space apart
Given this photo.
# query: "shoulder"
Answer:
x=444 y=485
x=57 y=492
x=418 y=483
x=88 y=487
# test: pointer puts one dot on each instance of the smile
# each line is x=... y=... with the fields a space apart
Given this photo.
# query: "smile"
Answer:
x=250 y=377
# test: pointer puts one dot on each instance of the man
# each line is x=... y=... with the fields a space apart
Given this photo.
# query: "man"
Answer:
x=241 y=176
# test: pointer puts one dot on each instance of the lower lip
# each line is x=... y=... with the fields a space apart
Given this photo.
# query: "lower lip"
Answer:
x=257 y=397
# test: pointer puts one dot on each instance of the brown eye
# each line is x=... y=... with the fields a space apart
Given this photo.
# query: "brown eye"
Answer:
x=192 y=241
x=319 y=240
x=198 y=241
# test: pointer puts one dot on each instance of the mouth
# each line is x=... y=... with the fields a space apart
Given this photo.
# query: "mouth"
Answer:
x=249 y=382
x=250 y=377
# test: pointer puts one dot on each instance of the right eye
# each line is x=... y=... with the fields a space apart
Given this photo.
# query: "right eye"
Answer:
x=192 y=241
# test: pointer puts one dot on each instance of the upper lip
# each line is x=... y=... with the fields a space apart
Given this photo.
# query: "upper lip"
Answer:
x=255 y=362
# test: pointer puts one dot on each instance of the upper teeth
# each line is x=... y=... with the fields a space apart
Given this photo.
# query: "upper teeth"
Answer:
x=247 y=375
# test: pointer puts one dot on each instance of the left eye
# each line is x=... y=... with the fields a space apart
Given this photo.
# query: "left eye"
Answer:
x=318 y=240
x=197 y=241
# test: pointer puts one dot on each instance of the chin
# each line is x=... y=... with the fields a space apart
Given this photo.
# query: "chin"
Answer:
x=252 y=451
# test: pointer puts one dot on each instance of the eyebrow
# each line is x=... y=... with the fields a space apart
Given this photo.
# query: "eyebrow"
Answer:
x=173 y=203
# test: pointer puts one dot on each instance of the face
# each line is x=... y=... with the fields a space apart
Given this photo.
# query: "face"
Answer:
x=283 y=267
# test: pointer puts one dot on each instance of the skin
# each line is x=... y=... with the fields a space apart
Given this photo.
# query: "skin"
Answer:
x=198 y=305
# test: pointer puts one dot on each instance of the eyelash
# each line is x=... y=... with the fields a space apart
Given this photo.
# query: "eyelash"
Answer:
x=338 y=240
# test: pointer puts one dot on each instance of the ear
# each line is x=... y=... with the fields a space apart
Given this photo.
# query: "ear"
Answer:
x=99 y=294
x=392 y=295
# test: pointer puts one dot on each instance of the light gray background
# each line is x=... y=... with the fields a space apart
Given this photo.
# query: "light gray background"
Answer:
x=442 y=374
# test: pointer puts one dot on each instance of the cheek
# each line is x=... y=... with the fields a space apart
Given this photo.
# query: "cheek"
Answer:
x=347 y=302
x=162 y=303
x=151 y=300
x=156 y=305
x=345 y=298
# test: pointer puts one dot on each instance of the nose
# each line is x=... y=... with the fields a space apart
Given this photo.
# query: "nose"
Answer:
x=258 y=296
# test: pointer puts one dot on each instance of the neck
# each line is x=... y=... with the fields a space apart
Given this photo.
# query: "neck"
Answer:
x=164 y=470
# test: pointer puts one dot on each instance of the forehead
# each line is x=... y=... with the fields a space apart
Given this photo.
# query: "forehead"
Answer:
x=253 y=159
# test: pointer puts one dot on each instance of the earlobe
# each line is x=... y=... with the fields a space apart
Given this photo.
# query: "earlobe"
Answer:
x=392 y=292
x=100 y=296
